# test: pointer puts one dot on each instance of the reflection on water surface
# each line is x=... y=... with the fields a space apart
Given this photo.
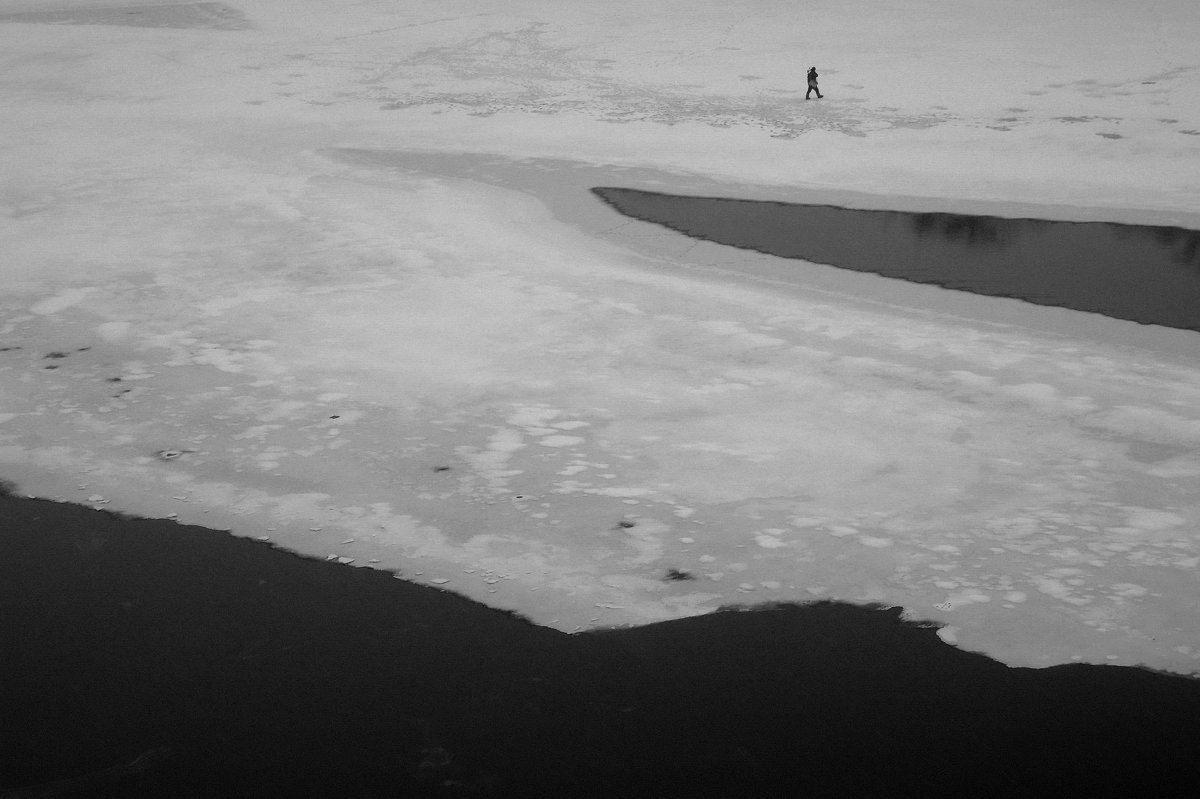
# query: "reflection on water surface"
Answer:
x=1141 y=273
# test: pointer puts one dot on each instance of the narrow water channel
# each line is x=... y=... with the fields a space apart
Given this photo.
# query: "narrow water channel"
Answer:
x=1142 y=273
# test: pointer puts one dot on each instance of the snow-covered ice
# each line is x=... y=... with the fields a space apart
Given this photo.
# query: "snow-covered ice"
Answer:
x=342 y=259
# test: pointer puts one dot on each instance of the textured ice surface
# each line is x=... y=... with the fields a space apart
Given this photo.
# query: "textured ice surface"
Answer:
x=216 y=16
x=504 y=392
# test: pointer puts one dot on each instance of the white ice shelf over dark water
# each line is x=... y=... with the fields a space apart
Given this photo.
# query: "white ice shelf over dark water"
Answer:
x=257 y=245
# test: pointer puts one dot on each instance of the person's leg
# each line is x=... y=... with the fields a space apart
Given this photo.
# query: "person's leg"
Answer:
x=808 y=94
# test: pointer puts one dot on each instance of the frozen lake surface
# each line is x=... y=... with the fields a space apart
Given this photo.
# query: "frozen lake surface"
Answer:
x=333 y=276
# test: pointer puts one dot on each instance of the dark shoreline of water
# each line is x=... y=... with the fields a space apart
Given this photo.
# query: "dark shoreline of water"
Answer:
x=146 y=658
x=1141 y=273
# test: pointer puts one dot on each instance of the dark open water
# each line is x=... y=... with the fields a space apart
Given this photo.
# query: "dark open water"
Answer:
x=143 y=658
x=1146 y=274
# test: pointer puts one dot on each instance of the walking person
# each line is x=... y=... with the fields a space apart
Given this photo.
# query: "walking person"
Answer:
x=812 y=84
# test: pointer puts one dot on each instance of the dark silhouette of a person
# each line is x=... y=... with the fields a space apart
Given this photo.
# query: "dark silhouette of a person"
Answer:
x=812 y=84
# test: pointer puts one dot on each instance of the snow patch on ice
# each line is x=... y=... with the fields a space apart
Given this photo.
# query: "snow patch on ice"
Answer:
x=60 y=302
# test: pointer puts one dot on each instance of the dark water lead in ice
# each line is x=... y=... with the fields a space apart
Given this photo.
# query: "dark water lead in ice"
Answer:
x=1142 y=273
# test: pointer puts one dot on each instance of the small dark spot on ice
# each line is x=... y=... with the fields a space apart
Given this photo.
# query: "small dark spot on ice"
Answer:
x=8 y=349
x=1110 y=135
x=336 y=416
x=112 y=380
x=625 y=524
x=674 y=575
x=55 y=355
x=51 y=366
x=441 y=468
